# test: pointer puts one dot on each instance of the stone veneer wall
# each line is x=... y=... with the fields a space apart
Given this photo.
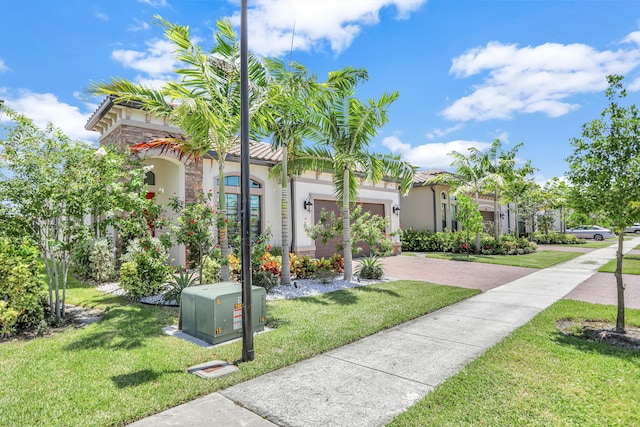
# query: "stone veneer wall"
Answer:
x=125 y=136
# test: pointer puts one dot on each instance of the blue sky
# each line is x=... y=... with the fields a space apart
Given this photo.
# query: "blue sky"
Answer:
x=468 y=72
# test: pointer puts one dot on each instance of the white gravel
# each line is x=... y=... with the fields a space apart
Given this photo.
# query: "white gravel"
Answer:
x=308 y=287
x=298 y=288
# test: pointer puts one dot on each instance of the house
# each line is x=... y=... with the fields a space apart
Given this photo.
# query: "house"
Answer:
x=173 y=175
x=431 y=206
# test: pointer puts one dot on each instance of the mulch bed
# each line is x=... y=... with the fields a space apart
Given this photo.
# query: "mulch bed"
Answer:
x=601 y=331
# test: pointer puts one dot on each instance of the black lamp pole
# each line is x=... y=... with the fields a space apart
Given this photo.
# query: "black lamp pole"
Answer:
x=247 y=322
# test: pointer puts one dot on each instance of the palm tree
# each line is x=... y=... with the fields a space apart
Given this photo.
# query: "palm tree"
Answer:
x=473 y=175
x=289 y=123
x=346 y=126
x=505 y=167
x=204 y=102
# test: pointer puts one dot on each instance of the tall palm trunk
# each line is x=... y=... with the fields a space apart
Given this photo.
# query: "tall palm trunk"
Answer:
x=222 y=210
x=496 y=215
x=346 y=229
x=285 y=278
x=477 y=232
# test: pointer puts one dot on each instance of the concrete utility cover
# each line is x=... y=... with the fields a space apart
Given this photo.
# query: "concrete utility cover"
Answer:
x=214 y=369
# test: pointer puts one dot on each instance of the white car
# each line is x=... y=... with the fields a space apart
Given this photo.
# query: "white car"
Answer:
x=635 y=228
x=591 y=232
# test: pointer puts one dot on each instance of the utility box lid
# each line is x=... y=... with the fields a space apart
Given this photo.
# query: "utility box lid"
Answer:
x=213 y=313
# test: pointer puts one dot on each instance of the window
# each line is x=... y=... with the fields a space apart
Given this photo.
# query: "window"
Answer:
x=150 y=178
x=443 y=209
x=233 y=201
x=454 y=218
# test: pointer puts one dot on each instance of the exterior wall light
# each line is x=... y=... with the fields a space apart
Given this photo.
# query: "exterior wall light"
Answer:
x=307 y=204
x=396 y=209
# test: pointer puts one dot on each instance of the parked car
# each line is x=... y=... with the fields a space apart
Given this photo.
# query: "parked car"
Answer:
x=635 y=228
x=591 y=232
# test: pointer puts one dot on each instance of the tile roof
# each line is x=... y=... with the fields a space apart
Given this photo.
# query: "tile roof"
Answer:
x=259 y=151
x=423 y=177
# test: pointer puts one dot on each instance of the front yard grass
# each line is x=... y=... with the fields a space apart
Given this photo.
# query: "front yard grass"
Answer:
x=538 y=259
x=539 y=377
x=630 y=265
x=595 y=244
x=124 y=367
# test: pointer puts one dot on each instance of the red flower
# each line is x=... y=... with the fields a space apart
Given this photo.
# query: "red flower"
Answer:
x=191 y=233
x=193 y=221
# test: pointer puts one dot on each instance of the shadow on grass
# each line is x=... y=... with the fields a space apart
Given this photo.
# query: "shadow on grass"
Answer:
x=373 y=288
x=137 y=378
x=124 y=328
x=588 y=345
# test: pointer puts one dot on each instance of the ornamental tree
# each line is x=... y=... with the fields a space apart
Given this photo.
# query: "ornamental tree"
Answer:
x=605 y=171
x=469 y=216
x=196 y=222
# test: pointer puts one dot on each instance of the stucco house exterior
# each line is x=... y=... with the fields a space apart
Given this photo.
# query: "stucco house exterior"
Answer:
x=430 y=206
x=176 y=176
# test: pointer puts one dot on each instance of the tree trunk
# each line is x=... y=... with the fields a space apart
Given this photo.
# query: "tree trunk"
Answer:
x=285 y=276
x=496 y=215
x=346 y=228
x=477 y=249
x=222 y=210
x=56 y=283
x=620 y=285
x=517 y=221
x=50 y=282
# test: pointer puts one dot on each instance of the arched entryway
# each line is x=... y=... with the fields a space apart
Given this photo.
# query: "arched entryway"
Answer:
x=168 y=182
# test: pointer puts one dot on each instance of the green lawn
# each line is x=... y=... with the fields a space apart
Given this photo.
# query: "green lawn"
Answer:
x=630 y=265
x=594 y=244
x=538 y=259
x=125 y=368
x=540 y=377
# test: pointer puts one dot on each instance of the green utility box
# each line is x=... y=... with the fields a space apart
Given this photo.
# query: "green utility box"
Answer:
x=213 y=313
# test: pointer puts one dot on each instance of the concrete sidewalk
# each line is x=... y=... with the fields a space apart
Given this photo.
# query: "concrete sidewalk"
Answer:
x=370 y=381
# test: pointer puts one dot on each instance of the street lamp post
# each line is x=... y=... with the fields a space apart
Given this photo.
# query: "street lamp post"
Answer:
x=247 y=322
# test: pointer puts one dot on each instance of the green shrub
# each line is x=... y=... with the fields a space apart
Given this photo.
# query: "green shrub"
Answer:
x=265 y=279
x=555 y=238
x=177 y=284
x=80 y=258
x=151 y=271
x=370 y=268
x=276 y=251
x=129 y=277
x=337 y=263
x=415 y=240
x=210 y=270
x=304 y=267
x=101 y=261
x=456 y=242
x=21 y=285
x=8 y=319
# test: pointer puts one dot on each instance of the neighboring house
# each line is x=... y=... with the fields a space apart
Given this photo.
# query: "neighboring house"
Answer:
x=432 y=207
x=173 y=175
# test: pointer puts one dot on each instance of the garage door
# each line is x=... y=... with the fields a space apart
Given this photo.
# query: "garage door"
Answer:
x=329 y=249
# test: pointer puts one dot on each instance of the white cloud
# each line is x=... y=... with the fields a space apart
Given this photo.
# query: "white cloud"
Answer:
x=154 y=3
x=432 y=155
x=336 y=22
x=439 y=133
x=139 y=25
x=156 y=61
x=101 y=15
x=43 y=108
x=3 y=66
x=535 y=79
